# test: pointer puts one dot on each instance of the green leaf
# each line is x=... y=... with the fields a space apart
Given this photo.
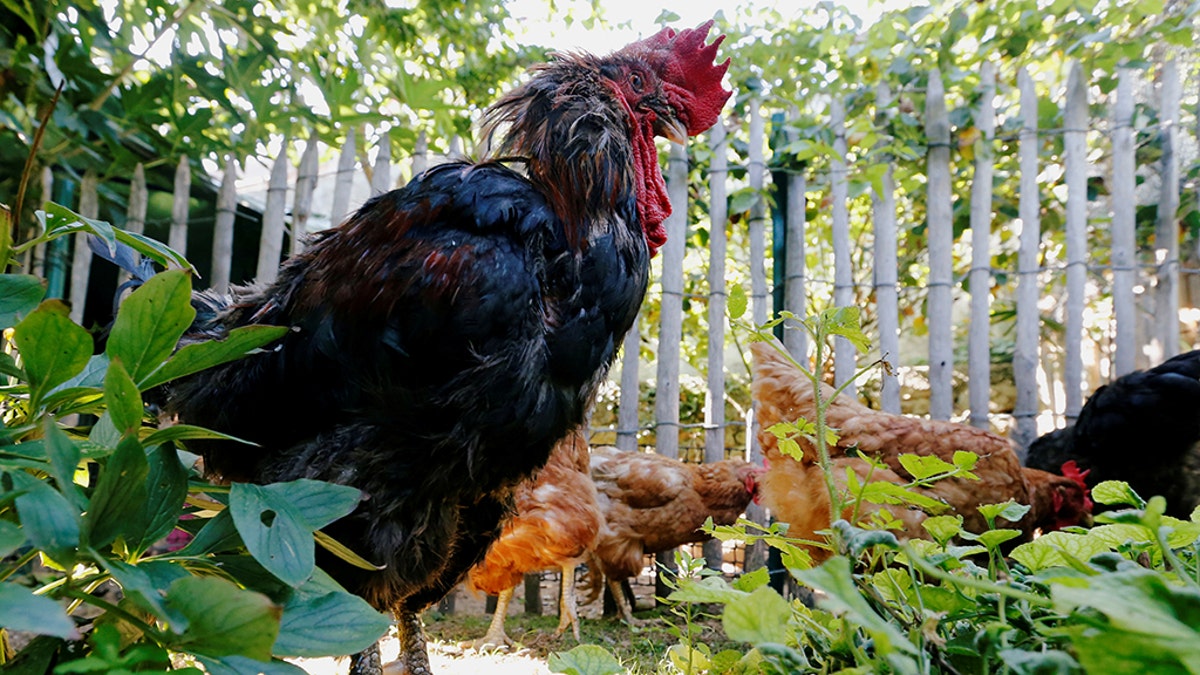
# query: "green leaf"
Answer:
x=1021 y=662
x=274 y=532
x=758 y=618
x=51 y=523
x=150 y=323
x=845 y=322
x=1117 y=492
x=858 y=539
x=743 y=200
x=53 y=348
x=706 y=590
x=120 y=495
x=241 y=665
x=965 y=460
x=737 y=301
x=922 y=467
x=1053 y=548
x=63 y=454
x=943 y=528
x=123 y=399
x=317 y=503
x=218 y=534
x=166 y=486
x=19 y=295
x=993 y=538
x=203 y=355
x=1010 y=511
x=104 y=433
x=141 y=588
x=585 y=660
x=11 y=538
x=58 y=221
x=21 y=610
x=752 y=581
x=329 y=625
x=844 y=599
x=885 y=492
x=187 y=432
x=223 y=620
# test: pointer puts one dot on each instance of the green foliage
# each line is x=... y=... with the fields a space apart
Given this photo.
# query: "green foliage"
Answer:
x=92 y=500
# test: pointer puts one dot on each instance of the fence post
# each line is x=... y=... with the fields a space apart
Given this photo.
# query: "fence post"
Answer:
x=222 y=253
x=1025 y=355
x=135 y=215
x=37 y=256
x=756 y=553
x=270 y=245
x=343 y=184
x=1166 y=232
x=1123 y=233
x=795 y=290
x=306 y=184
x=714 y=404
x=81 y=263
x=886 y=273
x=979 y=362
x=420 y=158
x=381 y=177
x=1075 y=117
x=845 y=357
x=177 y=237
x=941 y=243
x=627 y=409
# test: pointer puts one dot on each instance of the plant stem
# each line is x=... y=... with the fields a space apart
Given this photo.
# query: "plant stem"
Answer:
x=27 y=171
x=110 y=608
x=6 y=239
x=20 y=562
x=977 y=584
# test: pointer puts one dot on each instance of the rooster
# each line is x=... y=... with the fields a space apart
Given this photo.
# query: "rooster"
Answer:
x=653 y=503
x=1154 y=414
x=784 y=394
x=449 y=333
x=556 y=523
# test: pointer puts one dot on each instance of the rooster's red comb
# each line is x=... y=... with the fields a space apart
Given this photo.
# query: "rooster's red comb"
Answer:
x=685 y=64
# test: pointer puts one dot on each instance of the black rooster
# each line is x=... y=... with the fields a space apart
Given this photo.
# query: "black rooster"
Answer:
x=1143 y=429
x=448 y=334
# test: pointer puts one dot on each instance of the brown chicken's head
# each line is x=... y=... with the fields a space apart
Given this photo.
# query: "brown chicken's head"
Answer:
x=750 y=474
x=1072 y=501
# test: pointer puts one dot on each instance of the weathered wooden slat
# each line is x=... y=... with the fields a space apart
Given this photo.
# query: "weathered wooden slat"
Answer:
x=1026 y=355
x=381 y=176
x=845 y=356
x=756 y=173
x=886 y=270
x=714 y=409
x=222 y=253
x=81 y=262
x=627 y=410
x=666 y=394
x=270 y=245
x=36 y=258
x=420 y=158
x=135 y=214
x=343 y=184
x=941 y=242
x=306 y=184
x=177 y=237
x=1166 y=231
x=1123 y=233
x=979 y=361
x=1075 y=122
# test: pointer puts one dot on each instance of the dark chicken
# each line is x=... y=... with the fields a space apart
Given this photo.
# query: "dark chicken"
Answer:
x=1143 y=429
x=448 y=334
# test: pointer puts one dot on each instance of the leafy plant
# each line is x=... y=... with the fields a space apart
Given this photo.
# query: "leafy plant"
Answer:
x=84 y=504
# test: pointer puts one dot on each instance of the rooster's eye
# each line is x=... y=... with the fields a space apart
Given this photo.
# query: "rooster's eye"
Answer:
x=635 y=81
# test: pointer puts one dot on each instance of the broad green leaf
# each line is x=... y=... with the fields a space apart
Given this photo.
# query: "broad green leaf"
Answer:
x=119 y=497
x=687 y=659
x=1117 y=492
x=53 y=348
x=19 y=295
x=218 y=534
x=585 y=660
x=11 y=538
x=706 y=590
x=743 y=200
x=1049 y=549
x=1020 y=662
x=843 y=598
x=166 y=488
x=63 y=454
x=845 y=322
x=921 y=467
x=58 y=220
x=150 y=323
x=50 y=522
x=274 y=532
x=752 y=581
x=858 y=539
x=758 y=618
x=104 y=433
x=1010 y=511
x=21 y=610
x=91 y=377
x=317 y=503
x=223 y=620
x=943 y=528
x=139 y=587
x=885 y=492
x=203 y=355
x=329 y=625
x=993 y=538
x=241 y=665
x=965 y=460
x=737 y=301
x=9 y=367
x=123 y=399
x=186 y=432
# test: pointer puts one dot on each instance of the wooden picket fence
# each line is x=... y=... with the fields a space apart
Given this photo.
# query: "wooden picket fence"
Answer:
x=1133 y=346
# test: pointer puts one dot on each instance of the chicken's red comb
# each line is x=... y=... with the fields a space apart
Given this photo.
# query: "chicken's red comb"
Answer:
x=1071 y=470
x=685 y=64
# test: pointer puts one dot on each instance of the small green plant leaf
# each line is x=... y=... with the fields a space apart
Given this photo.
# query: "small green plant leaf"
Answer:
x=150 y=323
x=53 y=348
x=166 y=488
x=885 y=492
x=11 y=538
x=836 y=579
x=993 y=538
x=140 y=588
x=707 y=590
x=1010 y=511
x=50 y=522
x=1053 y=549
x=21 y=610
x=965 y=460
x=737 y=301
x=218 y=534
x=329 y=625
x=123 y=399
x=203 y=355
x=921 y=467
x=223 y=620
x=119 y=496
x=845 y=322
x=274 y=532
x=186 y=432
x=858 y=539
x=19 y=295
x=317 y=503
x=743 y=200
x=241 y=665
x=752 y=581
x=757 y=618
x=64 y=455
x=1117 y=492
x=943 y=528
x=585 y=660
x=1021 y=662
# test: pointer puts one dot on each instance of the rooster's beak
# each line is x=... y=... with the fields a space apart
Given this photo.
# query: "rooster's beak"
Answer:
x=670 y=128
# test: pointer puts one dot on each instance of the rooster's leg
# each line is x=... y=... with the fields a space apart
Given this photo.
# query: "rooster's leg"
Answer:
x=623 y=603
x=366 y=662
x=567 y=614
x=495 y=636
x=414 y=660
